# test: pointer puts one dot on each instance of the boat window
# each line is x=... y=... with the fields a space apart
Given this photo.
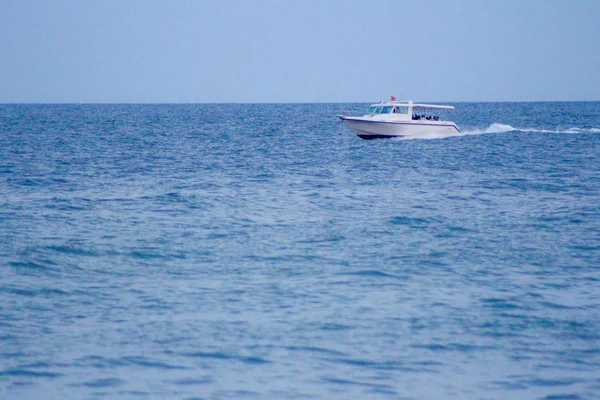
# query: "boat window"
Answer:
x=401 y=110
x=372 y=110
x=387 y=110
x=377 y=110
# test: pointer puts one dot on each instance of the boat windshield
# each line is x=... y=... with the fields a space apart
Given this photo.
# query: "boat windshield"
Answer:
x=388 y=110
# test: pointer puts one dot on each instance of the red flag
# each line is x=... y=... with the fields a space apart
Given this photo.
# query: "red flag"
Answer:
x=393 y=98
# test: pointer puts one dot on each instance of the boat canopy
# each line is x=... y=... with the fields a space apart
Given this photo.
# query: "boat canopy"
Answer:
x=413 y=105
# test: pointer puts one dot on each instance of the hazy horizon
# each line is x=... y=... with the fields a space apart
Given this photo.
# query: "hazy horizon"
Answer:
x=293 y=102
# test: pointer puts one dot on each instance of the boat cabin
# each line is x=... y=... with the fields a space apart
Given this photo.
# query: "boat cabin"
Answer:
x=407 y=110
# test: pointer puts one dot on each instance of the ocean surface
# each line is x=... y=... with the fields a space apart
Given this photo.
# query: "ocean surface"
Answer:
x=263 y=251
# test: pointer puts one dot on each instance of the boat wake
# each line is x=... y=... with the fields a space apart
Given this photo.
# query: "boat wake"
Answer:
x=502 y=128
x=497 y=127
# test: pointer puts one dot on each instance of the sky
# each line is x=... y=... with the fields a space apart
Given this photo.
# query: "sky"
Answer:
x=298 y=51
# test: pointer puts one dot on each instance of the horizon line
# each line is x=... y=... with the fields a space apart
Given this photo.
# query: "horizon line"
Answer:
x=290 y=102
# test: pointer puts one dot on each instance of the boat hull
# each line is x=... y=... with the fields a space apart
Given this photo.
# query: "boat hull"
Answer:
x=373 y=129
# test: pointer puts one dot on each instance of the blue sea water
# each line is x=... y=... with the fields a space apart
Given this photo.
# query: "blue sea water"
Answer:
x=263 y=251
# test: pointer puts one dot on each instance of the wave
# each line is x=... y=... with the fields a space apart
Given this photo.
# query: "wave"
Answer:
x=498 y=127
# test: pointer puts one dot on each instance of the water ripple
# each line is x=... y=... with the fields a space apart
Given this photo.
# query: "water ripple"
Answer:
x=226 y=251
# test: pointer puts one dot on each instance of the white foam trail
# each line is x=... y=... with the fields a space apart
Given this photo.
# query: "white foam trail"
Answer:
x=567 y=130
x=583 y=130
x=498 y=127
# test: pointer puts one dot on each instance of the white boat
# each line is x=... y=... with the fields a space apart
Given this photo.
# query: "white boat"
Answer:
x=400 y=118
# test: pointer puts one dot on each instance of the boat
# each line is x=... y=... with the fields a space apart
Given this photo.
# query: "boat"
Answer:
x=400 y=118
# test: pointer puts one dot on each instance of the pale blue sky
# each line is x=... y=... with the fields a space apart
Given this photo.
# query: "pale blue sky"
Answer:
x=158 y=51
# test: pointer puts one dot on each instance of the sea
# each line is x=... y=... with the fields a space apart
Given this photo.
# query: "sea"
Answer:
x=264 y=251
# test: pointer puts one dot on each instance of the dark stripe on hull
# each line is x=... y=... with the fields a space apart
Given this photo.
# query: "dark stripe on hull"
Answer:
x=369 y=137
x=359 y=120
x=402 y=123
